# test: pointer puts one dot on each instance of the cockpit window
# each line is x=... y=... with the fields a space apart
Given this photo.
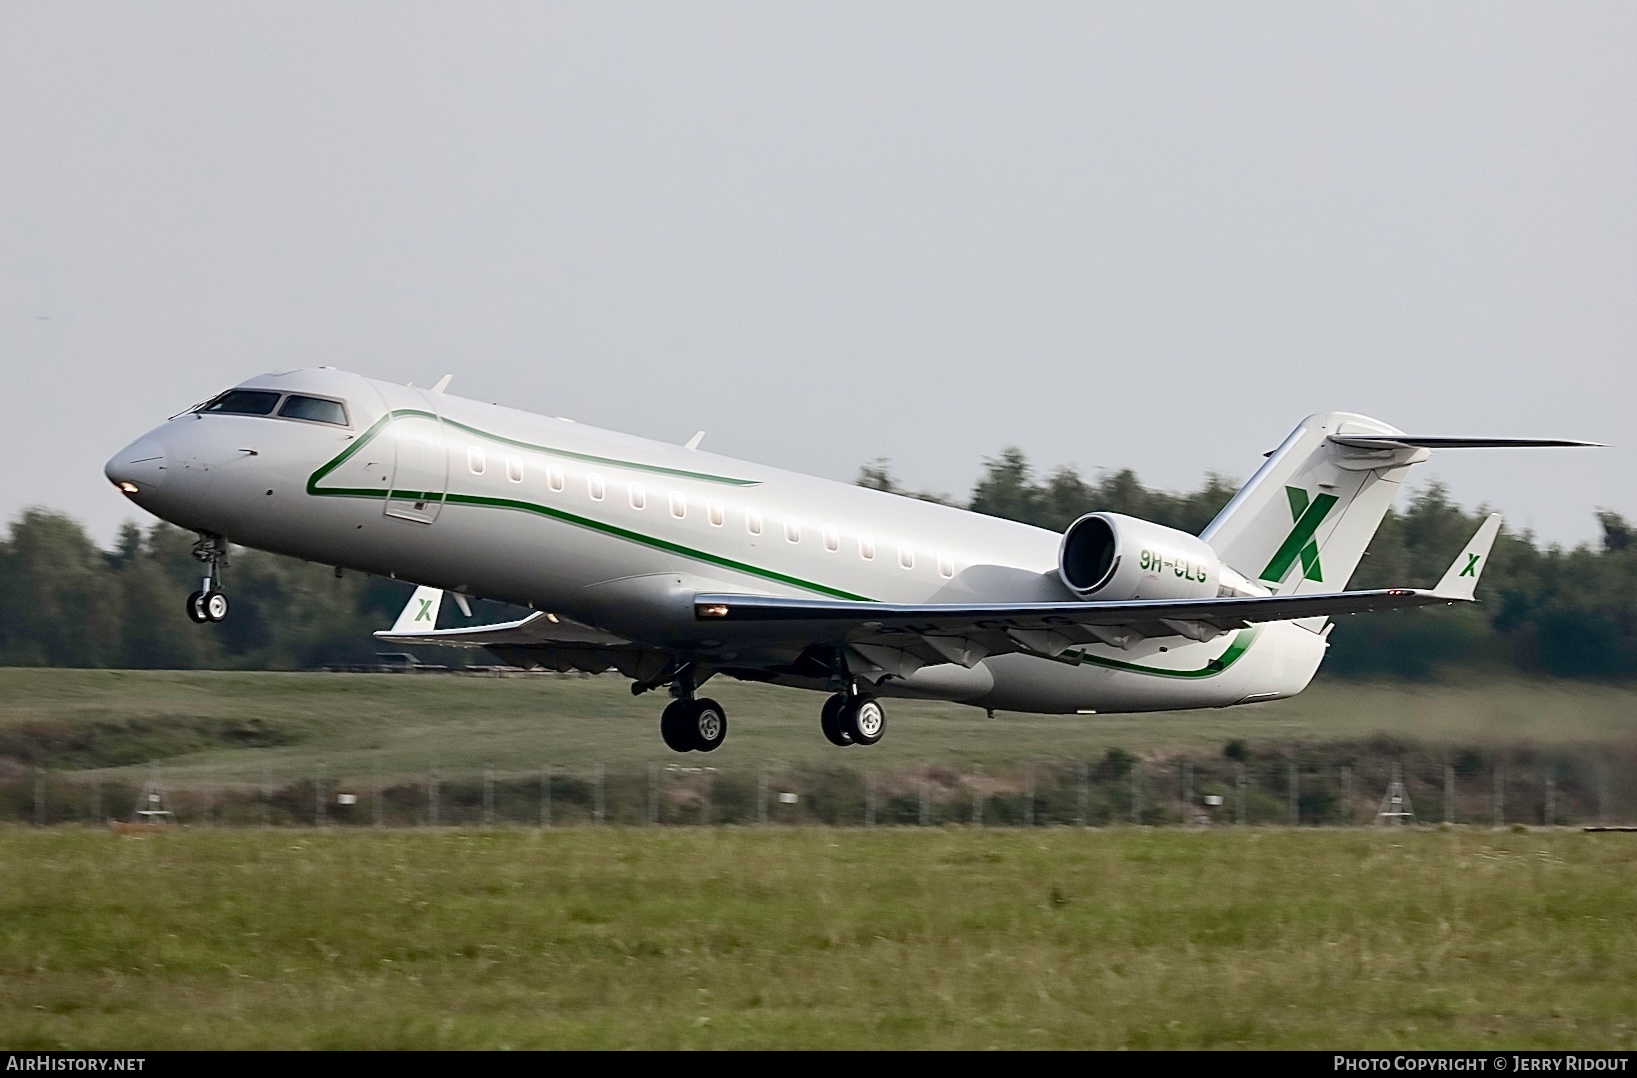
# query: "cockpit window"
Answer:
x=315 y=409
x=243 y=402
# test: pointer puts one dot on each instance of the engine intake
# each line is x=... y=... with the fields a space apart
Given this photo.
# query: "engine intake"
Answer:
x=1116 y=558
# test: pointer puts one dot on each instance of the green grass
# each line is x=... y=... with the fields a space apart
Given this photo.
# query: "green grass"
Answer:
x=813 y=937
x=226 y=727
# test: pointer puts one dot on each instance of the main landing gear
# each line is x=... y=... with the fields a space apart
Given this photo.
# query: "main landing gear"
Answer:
x=851 y=717
x=855 y=718
x=209 y=603
x=688 y=725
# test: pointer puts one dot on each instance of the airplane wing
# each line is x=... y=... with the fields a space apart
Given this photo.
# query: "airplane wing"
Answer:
x=966 y=633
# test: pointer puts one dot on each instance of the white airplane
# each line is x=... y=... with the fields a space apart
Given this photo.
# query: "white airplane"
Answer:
x=672 y=565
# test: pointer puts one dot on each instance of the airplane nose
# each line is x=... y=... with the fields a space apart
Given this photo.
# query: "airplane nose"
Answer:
x=138 y=467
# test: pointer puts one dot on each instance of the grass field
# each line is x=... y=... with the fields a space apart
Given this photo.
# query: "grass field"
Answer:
x=228 y=726
x=814 y=937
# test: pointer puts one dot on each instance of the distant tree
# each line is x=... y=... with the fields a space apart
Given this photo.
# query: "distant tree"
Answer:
x=1005 y=489
x=59 y=606
x=1617 y=531
x=877 y=475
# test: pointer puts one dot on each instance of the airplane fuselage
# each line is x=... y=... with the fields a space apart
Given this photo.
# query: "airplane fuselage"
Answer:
x=621 y=532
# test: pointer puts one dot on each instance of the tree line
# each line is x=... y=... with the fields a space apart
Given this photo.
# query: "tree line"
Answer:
x=64 y=601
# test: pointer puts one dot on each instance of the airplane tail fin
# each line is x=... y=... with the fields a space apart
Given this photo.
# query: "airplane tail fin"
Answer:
x=1302 y=523
x=421 y=612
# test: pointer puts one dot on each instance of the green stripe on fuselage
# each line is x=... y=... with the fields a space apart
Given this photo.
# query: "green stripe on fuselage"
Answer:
x=1241 y=642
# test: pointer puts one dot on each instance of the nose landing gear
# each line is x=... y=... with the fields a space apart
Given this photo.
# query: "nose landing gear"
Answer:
x=209 y=603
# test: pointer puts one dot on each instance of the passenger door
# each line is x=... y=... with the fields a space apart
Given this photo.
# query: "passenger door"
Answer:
x=420 y=473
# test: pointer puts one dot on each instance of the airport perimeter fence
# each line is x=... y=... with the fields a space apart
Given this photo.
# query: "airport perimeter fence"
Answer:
x=1117 y=789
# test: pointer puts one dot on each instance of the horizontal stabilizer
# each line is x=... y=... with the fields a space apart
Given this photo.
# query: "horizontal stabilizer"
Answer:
x=1461 y=580
x=1418 y=441
x=539 y=629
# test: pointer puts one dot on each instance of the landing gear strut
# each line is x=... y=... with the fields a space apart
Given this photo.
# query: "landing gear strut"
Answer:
x=687 y=724
x=209 y=603
x=854 y=718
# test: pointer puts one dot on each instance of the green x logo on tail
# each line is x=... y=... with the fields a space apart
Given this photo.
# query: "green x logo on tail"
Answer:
x=1299 y=543
x=1471 y=566
x=426 y=610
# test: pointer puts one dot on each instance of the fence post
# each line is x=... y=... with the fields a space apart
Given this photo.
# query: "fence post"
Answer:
x=1500 y=795
x=488 y=795
x=1136 y=792
x=1294 y=792
x=318 y=794
x=761 y=795
x=1603 y=794
x=39 y=797
x=266 y=796
x=1239 y=793
x=1188 y=789
x=545 y=795
x=432 y=797
x=1347 y=791
x=598 y=812
x=1028 y=794
x=1084 y=814
x=653 y=793
x=977 y=795
x=1449 y=793
x=926 y=798
x=1551 y=799
x=380 y=808
x=869 y=799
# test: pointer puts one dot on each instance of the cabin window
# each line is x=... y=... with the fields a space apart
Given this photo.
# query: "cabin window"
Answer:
x=514 y=469
x=714 y=514
x=866 y=546
x=832 y=539
x=753 y=521
x=554 y=477
x=243 y=402
x=475 y=460
x=594 y=487
x=906 y=556
x=638 y=496
x=792 y=530
x=946 y=564
x=679 y=504
x=313 y=410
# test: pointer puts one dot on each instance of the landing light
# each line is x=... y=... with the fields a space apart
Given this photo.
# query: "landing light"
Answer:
x=127 y=487
x=713 y=610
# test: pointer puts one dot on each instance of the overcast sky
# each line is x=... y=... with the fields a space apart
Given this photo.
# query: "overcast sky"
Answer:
x=1114 y=235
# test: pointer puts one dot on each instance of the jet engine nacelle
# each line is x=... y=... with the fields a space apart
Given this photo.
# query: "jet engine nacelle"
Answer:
x=1117 y=558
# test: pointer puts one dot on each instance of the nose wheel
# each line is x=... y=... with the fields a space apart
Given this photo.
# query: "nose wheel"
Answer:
x=209 y=603
x=206 y=606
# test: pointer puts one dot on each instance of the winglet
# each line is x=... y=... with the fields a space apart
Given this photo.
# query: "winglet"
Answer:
x=693 y=443
x=421 y=612
x=443 y=383
x=1461 y=581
